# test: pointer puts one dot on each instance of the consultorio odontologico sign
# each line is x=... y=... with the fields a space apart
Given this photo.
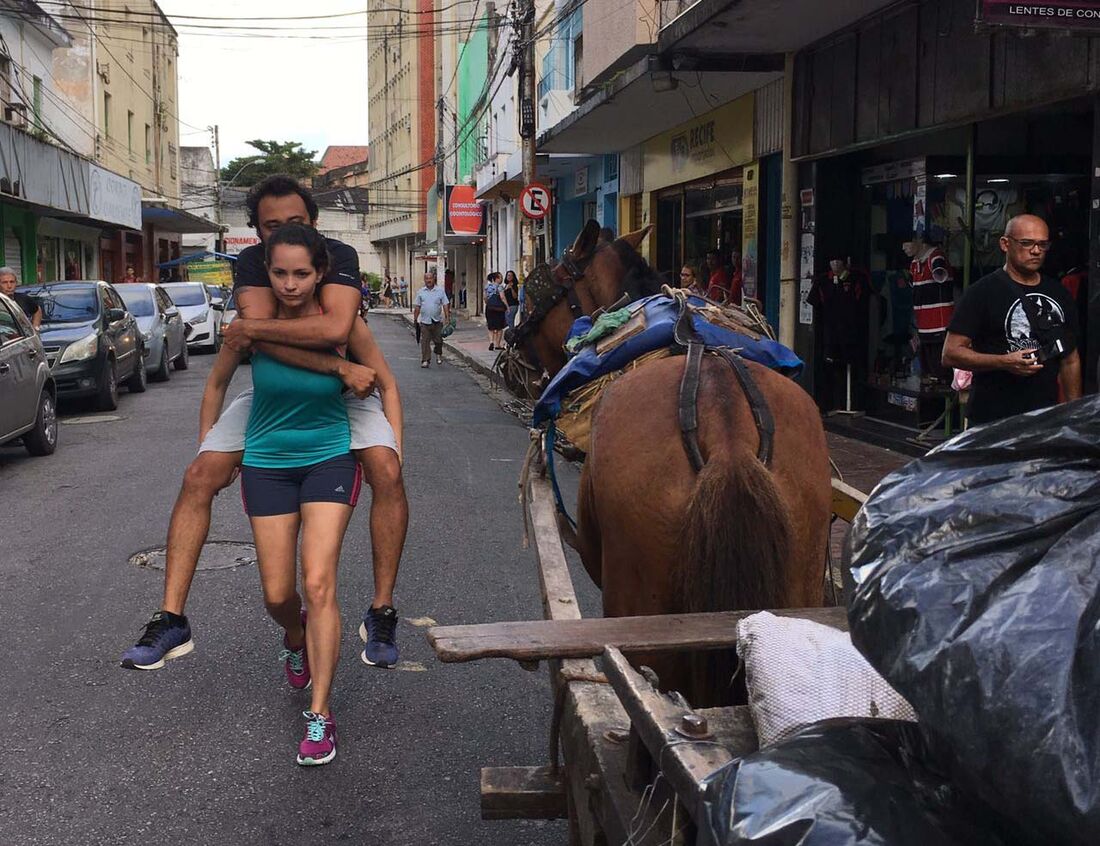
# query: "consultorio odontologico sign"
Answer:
x=1062 y=15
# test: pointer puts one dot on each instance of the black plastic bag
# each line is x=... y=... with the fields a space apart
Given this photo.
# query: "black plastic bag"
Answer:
x=979 y=601
x=843 y=783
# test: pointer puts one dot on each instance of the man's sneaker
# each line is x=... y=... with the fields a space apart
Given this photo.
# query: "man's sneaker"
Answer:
x=319 y=744
x=296 y=663
x=379 y=630
x=423 y=364
x=439 y=359
x=166 y=636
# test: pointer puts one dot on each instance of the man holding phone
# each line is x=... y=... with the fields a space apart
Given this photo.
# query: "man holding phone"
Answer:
x=1014 y=329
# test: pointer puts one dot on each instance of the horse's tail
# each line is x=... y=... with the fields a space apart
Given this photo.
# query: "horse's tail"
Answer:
x=736 y=538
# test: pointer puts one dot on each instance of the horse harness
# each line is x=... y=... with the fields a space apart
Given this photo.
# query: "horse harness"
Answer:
x=547 y=286
x=693 y=345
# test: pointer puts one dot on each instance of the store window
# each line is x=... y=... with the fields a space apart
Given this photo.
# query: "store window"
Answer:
x=47 y=259
x=73 y=265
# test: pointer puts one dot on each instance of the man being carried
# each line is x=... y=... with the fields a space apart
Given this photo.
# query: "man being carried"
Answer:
x=376 y=427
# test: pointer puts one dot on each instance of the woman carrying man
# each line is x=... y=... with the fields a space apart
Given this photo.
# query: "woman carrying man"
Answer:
x=298 y=477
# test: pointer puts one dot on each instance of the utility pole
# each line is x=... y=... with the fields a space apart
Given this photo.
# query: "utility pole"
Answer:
x=217 y=188
x=526 y=62
x=441 y=198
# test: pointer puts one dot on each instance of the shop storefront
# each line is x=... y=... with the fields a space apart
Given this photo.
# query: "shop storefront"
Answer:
x=67 y=250
x=694 y=183
x=891 y=232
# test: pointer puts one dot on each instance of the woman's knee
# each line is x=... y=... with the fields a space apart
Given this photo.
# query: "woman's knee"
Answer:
x=320 y=590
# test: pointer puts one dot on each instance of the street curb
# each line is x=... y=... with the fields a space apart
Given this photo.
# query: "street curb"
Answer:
x=473 y=363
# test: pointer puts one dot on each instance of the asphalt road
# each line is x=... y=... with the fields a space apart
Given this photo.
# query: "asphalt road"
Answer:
x=203 y=750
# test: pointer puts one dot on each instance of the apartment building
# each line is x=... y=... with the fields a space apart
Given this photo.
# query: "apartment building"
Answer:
x=402 y=83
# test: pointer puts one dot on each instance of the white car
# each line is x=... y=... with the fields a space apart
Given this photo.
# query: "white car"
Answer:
x=202 y=315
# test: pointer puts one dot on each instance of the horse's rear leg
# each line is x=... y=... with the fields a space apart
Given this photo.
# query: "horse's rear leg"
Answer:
x=588 y=529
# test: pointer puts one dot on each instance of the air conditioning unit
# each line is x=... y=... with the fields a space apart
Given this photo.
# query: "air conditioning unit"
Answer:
x=16 y=114
x=103 y=69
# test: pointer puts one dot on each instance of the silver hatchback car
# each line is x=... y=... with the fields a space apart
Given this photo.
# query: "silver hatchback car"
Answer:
x=29 y=409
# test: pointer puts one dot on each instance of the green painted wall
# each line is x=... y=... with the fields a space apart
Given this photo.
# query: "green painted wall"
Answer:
x=473 y=83
x=25 y=225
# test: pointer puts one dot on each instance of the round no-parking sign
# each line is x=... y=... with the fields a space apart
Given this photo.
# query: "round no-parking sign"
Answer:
x=534 y=201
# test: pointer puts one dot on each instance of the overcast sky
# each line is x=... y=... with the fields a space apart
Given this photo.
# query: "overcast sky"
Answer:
x=281 y=88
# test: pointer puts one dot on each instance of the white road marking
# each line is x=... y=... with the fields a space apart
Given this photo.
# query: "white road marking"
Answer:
x=91 y=418
x=421 y=622
x=411 y=667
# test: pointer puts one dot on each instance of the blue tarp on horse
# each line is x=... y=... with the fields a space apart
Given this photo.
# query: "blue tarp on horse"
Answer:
x=661 y=313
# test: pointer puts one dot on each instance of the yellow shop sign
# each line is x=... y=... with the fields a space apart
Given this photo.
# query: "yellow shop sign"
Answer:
x=709 y=144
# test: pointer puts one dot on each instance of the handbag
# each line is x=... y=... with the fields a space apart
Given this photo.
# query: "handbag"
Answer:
x=449 y=329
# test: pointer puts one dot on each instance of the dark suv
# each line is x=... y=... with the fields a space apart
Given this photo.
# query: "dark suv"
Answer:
x=92 y=342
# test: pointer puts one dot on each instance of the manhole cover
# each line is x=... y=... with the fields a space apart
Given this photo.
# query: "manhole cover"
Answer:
x=216 y=555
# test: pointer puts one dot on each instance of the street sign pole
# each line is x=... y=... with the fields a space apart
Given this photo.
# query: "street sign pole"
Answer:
x=527 y=126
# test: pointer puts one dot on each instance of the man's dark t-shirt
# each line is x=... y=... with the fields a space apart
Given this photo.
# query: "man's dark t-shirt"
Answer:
x=991 y=314
x=250 y=269
x=28 y=303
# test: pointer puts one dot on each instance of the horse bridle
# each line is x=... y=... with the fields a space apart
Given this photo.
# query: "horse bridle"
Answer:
x=561 y=284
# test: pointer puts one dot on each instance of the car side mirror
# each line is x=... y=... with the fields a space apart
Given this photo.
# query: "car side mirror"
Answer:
x=114 y=314
x=172 y=312
x=218 y=306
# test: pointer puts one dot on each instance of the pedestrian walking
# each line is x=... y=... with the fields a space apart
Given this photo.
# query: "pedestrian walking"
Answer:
x=387 y=294
x=375 y=419
x=298 y=478
x=1015 y=330
x=129 y=276
x=8 y=284
x=495 y=311
x=431 y=310
x=403 y=291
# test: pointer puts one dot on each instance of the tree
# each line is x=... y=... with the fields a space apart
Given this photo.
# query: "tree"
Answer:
x=274 y=157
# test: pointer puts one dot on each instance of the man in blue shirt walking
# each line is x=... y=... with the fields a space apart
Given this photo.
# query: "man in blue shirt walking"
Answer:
x=432 y=310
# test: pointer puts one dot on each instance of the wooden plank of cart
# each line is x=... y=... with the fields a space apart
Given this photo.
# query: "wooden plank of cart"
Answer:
x=612 y=732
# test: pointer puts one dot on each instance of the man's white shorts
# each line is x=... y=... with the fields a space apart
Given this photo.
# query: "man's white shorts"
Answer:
x=369 y=426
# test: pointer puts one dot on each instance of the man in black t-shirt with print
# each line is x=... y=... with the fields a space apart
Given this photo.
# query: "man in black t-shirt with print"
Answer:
x=1015 y=330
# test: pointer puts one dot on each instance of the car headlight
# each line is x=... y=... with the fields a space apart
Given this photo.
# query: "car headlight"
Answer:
x=86 y=347
x=201 y=317
x=147 y=336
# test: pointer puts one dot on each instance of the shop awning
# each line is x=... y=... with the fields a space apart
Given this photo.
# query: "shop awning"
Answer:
x=645 y=100
x=177 y=220
x=190 y=257
x=713 y=28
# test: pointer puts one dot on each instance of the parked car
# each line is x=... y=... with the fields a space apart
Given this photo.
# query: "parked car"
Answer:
x=92 y=342
x=204 y=316
x=29 y=409
x=218 y=293
x=162 y=328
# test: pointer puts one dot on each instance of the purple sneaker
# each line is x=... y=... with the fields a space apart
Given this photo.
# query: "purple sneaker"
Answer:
x=296 y=663
x=319 y=744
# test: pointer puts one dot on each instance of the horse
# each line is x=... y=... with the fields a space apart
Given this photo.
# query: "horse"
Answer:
x=656 y=535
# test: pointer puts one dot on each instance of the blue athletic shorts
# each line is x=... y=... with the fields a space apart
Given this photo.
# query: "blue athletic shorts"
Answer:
x=269 y=491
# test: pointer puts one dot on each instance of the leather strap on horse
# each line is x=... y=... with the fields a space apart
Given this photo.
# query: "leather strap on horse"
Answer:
x=758 y=405
x=689 y=396
x=686 y=335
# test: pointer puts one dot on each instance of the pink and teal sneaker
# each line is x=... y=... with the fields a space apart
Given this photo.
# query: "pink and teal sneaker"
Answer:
x=296 y=663
x=319 y=744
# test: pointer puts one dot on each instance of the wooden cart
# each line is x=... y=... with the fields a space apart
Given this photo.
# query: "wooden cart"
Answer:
x=612 y=733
